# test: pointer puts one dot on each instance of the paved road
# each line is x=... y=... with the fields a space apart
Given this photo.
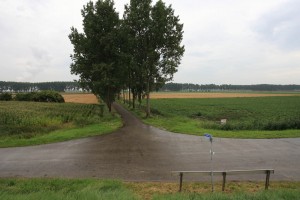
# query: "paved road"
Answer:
x=138 y=152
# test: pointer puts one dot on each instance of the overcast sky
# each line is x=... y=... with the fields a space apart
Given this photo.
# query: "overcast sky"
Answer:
x=226 y=41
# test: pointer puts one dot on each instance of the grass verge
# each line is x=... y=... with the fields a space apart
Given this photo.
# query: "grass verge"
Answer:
x=193 y=127
x=54 y=189
x=101 y=128
x=63 y=189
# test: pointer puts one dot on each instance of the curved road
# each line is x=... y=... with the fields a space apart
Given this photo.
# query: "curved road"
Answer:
x=138 y=152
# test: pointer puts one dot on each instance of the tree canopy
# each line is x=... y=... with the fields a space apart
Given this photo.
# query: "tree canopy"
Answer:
x=139 y=52
x=96 y=51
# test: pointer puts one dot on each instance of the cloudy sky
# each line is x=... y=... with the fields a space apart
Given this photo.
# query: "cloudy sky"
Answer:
x=226 y=41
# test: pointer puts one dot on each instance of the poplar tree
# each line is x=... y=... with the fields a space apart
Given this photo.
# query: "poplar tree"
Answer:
x=97 y=55
x=156 y=51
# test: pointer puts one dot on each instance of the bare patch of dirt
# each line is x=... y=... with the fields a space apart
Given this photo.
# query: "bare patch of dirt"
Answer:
x=80 y=98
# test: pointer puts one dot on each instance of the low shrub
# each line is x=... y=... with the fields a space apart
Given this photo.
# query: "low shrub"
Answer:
x=23 y=96
x=42 y=96
x=5 y=96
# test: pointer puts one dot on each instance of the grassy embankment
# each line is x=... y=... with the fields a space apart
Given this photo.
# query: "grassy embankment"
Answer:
x=54 y=189
x=32 y=123
x=256 y=117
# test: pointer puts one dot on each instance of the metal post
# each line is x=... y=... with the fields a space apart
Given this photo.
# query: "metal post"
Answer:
x=224 y=181
x=267 y=179
x=211 y=161
x=180 y=181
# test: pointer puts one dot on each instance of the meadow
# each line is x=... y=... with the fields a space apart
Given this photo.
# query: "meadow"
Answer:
x=27 y=123
x=58 y=189
x=255 y=117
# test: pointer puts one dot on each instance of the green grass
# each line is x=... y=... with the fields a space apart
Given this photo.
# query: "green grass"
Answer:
x=32 y=123
x=89 y=189
x=259 y=117
x=62 y=189
x=266 y=195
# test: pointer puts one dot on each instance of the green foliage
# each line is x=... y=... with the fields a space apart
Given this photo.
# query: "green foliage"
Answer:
x=48 y=96
x=90 y=189
x=96 y=57
x=23 y=97
x=58 y=189
x=263 y=113
x=198 y=116
x=28 y=119
x=154 y=43
x=140 y=52
x=5 y=96
x=27 y=86
x=42 y=96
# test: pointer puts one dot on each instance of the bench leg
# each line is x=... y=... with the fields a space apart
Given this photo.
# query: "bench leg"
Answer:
x=267 y=180
x=224 y=181
x=180 y=181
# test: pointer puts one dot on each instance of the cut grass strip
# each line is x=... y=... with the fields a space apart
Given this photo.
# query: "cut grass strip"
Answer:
x=67 y=189
x=63 y=189
x=193 y=127
x=234 y=190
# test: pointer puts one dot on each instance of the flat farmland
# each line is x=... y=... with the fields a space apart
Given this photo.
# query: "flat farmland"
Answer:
x=201 y=95
x=25 y=123
x=80 y=98
x=248 y=115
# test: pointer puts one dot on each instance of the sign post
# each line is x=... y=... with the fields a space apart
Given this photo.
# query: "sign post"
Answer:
x=211 y=159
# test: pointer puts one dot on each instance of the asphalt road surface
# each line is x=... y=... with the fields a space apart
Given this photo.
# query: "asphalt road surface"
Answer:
x=139 y=152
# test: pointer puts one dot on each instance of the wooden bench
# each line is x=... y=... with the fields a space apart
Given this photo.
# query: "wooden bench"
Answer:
x=268 y=172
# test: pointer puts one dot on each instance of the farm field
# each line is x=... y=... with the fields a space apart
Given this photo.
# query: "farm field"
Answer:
x=29 y=123
x=185 y=95
x=255 y=117
x=85 y=98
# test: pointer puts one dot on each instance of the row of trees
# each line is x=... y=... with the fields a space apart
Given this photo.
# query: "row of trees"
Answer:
x=139 y=52
x=31 y=87
x=75 y=87
x=226 y=87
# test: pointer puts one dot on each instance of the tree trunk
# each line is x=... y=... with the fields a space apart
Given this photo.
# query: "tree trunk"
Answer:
x=108 y=100
x=124 y=100
x=140 y=99
x=148 y=99
x=133 y=99
x=129 y=97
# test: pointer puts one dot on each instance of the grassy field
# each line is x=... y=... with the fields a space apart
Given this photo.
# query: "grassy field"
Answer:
x=28 y=123
x=65 y=189
x=256 y=117
x=227 y=94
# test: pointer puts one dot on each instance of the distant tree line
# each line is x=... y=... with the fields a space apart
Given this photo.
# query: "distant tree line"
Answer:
x=174 y=87
x=188 y=87
x=32 y=87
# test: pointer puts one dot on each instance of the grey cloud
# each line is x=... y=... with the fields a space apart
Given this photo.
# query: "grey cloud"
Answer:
x=37 y=63
x=281 y=26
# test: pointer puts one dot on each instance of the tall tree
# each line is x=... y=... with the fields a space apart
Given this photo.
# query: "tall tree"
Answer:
x=156 y=36
x=97 y=55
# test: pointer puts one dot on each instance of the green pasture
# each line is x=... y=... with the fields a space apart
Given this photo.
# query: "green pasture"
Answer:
x=30 y=123
x=89 y=189
x=257 y=117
